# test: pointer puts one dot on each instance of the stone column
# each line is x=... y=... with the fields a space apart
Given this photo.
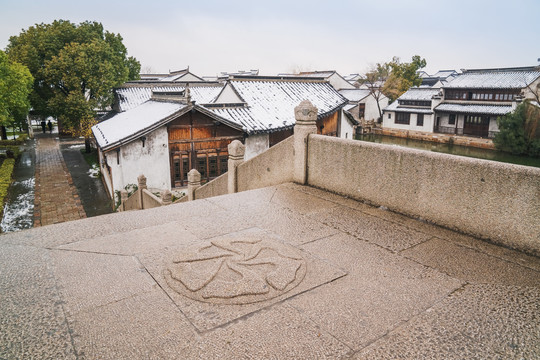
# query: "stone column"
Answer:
x=166 y=197
x=306 y=124
x=123 y=199
x=194 y=182
x=141 y=184
x=236 y=157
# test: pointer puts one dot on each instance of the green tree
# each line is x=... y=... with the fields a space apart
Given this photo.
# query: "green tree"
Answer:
x=519 y=131
x=75 y=69
x=402 y=76
x=375 y=79
x=15 y=86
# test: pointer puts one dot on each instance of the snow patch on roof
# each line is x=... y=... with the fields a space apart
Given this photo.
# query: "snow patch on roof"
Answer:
x=493 y=80
x=400 y=108
x=354 y=94
x=270 y=104
x=131 y=97
x=475 y=109
x=419 y=94
x=132 y=122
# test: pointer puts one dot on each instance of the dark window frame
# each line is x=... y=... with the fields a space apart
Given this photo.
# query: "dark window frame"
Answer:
x=419 y=119
x=402 y=118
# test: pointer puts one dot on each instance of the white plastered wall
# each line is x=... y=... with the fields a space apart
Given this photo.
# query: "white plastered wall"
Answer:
x=152 y=161
x=390 y=123
x=256 y=144
x=371 y=111
x=346 y=127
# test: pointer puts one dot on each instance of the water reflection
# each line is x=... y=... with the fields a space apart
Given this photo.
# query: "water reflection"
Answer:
x=452 y=149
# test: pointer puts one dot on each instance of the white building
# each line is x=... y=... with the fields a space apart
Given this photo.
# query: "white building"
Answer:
x=469 y=104
x=164 y=131
x=411 y=111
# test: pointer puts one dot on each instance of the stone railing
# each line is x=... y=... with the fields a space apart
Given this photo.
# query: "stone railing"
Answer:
x=490 y=200
x=272 y=167
x=143 y=198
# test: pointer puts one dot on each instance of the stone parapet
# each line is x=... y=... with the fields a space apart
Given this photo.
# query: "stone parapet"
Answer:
x=487 y=199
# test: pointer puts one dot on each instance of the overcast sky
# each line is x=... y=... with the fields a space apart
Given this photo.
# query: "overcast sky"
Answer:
x=280 y=36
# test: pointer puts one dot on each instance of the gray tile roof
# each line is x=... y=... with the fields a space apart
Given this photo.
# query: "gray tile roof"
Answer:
x=269 y=107
x=130 y=97
x=493 y=80
x=422 y=94
x=474 y=109
x=400 y=108
x=271 y=103
x=126 y=126
x=354 y=94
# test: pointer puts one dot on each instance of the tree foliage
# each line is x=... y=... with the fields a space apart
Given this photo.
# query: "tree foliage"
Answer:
x=15 y=86
x=519 y=131
x=75 y=68
x=374 y=79
x=402 y=76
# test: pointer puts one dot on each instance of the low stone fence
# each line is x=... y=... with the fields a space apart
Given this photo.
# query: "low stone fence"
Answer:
x=272 y=167
x=490 y=200
x=487 y=199
x=143 y=198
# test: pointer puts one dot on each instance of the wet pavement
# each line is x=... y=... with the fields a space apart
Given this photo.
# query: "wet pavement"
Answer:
x=19 y=209
x=284 y=272
x=93 y=195
x=52 y=183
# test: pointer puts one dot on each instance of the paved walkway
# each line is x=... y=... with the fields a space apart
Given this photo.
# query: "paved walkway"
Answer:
x=285 y=272
x=56 y=198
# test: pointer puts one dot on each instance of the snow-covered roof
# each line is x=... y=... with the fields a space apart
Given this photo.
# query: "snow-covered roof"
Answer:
x=401 y=108
x=130 y=97
x=271 y=103
x=422 y=94
x=493 y=79
x=268 y=105
x=351 y=118
x=324 y=74
x=444 y=73
x=134 y=123
x=352 y=77
x=474 y=109
x=354 y=94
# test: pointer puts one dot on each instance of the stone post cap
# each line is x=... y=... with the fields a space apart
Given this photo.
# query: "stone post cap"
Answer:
x=305 y=112
x=194 y=176
x=141 y=180
x=123 y=195
x=166 y=197
x=236 y=149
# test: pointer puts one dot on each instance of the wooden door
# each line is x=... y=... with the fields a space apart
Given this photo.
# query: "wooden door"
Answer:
x=476 y=125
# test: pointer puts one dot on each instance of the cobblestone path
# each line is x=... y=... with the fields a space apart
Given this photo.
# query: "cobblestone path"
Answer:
x=56 y=198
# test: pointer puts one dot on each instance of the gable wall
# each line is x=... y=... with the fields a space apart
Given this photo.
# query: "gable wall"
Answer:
x=152 y=161
x=228 y=96
x=339 y=83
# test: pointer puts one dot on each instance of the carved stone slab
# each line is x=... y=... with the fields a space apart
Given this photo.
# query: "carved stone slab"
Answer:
x=241 y=270
x=224 y=278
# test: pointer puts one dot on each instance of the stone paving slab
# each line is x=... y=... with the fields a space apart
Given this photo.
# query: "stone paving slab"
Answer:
x=478 y=322
x=217 y=310
x=32 y=320
x=381 y=291
x=376 y=285
x=56 y=198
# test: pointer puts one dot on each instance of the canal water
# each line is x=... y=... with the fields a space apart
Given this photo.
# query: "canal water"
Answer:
x=452 y=149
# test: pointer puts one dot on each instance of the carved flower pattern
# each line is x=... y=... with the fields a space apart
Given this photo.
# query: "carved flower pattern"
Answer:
x=237 y=271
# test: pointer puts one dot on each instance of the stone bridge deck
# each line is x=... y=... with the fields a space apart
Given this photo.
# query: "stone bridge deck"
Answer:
x=286 y=272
